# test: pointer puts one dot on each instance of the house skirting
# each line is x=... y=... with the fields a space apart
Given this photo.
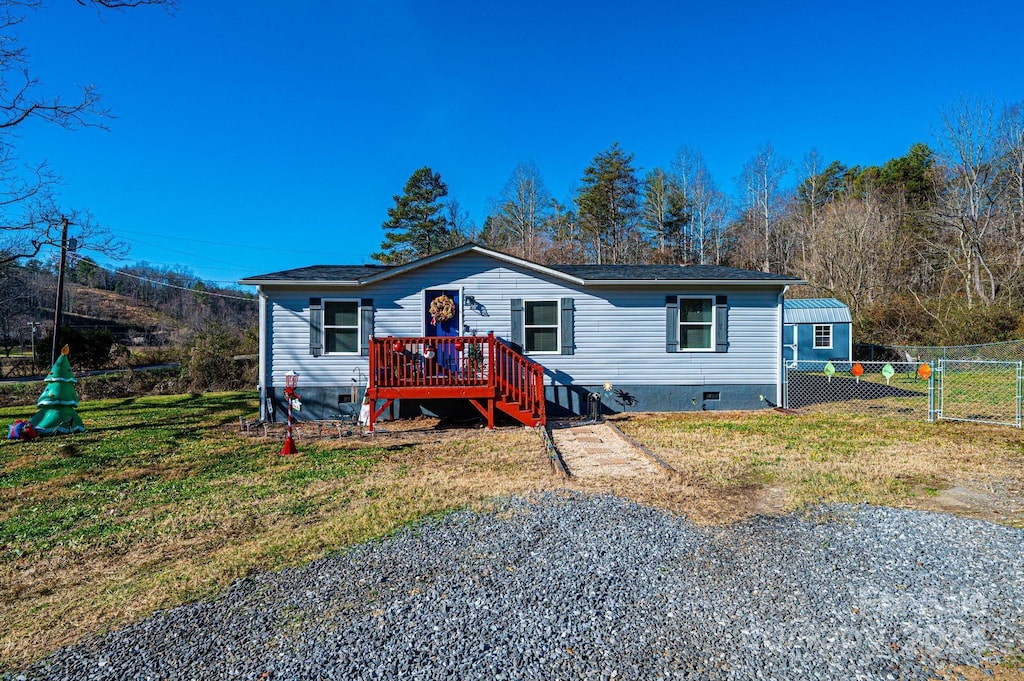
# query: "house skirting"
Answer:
x=572 y=400
x=341 y=402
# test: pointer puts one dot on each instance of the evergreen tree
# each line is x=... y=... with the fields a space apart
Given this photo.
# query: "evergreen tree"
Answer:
x=608 y=206
x=416 y=226
x=59 y=401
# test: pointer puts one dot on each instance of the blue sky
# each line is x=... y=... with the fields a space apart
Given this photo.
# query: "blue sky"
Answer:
x=251 y=136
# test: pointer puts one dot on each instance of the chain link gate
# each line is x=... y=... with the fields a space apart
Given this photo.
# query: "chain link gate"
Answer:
x=979 y=391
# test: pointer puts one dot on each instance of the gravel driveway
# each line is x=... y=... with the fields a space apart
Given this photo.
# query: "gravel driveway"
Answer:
x=567 y=586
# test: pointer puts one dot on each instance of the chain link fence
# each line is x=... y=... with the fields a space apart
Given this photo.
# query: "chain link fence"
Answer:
x=890 y=388
x=981 y=391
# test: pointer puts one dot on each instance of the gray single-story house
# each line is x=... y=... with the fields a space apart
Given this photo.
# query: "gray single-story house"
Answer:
x=645 y=337
x=817 y=330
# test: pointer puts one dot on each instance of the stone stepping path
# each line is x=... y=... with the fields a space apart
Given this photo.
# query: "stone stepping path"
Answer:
x=595 y=450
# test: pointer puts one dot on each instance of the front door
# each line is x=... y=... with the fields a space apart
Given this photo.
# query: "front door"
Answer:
x=443 y=317
x=442 y=326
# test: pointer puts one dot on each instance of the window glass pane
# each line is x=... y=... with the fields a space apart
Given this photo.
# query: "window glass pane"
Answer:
x=543 y=313
x=822 y=337
x=695 y=310
x=541 y=340
x=695 y=337
x=342 y=340
x=341 y=313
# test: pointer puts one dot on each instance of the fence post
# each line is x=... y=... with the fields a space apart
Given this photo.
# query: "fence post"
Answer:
x=1020 y=390
x=785 y=384
x=931 y=392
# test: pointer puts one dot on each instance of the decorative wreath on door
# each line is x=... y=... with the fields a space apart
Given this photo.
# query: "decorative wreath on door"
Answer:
x=442 y=309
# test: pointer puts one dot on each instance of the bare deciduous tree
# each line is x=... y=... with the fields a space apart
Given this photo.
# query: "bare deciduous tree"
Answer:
x=706 y=206
x=760 y=182
x=27 y=200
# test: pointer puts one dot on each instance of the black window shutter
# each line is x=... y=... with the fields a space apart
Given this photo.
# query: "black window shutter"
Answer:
x=316 y=324
x=517 y=335
x=721 y=323
x=365 y=325
x=671 y=324
x=568 y=342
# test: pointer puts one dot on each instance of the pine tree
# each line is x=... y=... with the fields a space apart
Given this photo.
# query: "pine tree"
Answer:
x=57 y=405
x=416 y=225
x=608 y=204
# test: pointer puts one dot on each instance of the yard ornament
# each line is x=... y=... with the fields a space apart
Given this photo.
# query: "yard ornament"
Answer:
x=21 y=430
x=59 y=401
x=857 y=370
x=830 y=370
x=888 y=372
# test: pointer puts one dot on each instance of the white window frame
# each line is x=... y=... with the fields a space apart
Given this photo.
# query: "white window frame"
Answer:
x=358 y=327
x=683 y=323
x=814 y=336
x=557 y=325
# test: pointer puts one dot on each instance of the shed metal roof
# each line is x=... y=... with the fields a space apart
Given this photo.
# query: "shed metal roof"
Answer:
x=816 y=311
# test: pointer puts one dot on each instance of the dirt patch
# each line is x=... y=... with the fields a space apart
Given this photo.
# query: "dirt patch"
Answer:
x=992 y=500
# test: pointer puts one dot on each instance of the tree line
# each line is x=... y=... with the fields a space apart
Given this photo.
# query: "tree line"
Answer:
x=925 y=248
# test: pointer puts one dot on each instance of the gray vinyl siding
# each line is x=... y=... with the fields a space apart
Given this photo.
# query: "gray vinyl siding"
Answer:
x=619 y=330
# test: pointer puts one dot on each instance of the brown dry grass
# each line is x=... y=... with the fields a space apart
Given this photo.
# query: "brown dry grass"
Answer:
x=732 y=465
x=174 y=503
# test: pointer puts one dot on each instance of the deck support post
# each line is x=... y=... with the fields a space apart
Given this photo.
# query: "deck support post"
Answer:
x=374 y=412
x=486 y=411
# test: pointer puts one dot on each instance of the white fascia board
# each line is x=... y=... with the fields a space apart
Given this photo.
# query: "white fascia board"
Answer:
x=690 y=282
x=298 y=282
x=511 y=259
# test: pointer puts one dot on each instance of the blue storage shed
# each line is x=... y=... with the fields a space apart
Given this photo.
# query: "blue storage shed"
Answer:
x=817 y=329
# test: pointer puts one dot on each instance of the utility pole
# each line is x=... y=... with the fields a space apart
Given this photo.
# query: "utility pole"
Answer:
x=33 y=326
x=58 y=308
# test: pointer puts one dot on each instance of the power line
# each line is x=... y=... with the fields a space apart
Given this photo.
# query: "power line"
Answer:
x=274 y=249
x=166 y=285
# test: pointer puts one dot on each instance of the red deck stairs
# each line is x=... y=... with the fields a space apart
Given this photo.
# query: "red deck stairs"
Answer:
x=481 y=369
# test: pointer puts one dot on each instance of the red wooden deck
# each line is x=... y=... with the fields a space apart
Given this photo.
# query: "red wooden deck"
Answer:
x=481 y=369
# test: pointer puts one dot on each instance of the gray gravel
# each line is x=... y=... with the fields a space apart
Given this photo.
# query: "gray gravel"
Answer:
x=582 y=587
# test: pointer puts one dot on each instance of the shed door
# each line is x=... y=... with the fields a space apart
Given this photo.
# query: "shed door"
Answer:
x=789 y=354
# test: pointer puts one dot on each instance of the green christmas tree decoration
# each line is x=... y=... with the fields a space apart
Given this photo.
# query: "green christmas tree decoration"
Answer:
x=57 y=405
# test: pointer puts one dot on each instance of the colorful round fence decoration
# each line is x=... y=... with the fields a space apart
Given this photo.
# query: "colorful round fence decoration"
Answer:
x=888 y=372
x=857 y=370
x=924 y=372
x=399 y=346
x=829 y=370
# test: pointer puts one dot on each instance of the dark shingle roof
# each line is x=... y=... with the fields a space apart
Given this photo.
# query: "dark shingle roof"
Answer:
x=667 y=272
x=359 y=274
x=324 y=273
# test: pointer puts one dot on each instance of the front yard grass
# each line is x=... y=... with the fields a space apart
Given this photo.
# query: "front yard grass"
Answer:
x=163 y=500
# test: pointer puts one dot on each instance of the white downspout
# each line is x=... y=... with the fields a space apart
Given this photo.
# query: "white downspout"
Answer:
x=262 y=377
x=779 y=363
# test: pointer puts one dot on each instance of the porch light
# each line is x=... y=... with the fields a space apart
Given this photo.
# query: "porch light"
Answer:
x=469 y=301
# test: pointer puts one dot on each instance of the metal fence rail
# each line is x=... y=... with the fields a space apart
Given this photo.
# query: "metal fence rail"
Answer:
x=1007 y=351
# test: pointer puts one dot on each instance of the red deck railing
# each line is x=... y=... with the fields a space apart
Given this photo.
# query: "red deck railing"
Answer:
x=474 y=367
